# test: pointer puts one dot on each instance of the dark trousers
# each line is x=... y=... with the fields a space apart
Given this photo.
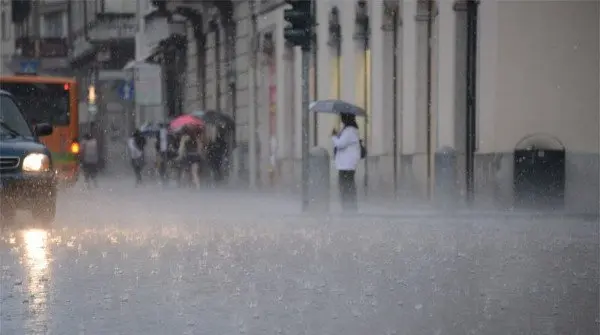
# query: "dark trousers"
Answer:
x=347 y=186
x=215 y=167
x=162 y=165
x=183 y=169
x=187 y=168
x=90 y=170
x=137 y=164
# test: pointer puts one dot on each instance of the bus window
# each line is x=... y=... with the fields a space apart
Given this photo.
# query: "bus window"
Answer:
x=47 y=103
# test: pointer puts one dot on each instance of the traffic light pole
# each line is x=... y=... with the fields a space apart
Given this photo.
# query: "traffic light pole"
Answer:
x=305 y=127
x=299 y=32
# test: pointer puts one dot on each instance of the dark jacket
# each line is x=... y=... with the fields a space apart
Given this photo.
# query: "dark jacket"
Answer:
x=140 y=141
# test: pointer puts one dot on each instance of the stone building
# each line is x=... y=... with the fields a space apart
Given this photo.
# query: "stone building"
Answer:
x=7 y=36
x=38 y=43
x=102 y=41
x=536 y=90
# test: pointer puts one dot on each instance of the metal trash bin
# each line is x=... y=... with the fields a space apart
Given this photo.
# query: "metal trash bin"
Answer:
x=319 y=186
x=539 y=178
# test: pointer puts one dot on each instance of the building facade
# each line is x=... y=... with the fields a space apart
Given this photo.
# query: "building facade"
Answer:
x=38 y=43
x=536 y=91
x=7 y=36
x=102 y=41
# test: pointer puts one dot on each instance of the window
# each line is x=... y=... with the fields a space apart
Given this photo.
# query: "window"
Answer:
x=4 y=26
x=11 y=119
x=48 y=103
x=53 y=25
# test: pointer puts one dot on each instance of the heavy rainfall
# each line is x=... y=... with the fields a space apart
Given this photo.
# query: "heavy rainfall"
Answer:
x=139 y=195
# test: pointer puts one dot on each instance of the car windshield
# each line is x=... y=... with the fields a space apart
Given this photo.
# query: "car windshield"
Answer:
x=11 y=119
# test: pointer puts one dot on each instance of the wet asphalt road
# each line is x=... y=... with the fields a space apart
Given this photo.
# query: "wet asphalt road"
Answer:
x=121 y=260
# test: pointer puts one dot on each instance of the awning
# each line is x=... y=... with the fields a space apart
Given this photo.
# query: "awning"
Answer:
x=144 y=60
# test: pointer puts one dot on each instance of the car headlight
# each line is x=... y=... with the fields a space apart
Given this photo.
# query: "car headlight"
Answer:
x=36 y=163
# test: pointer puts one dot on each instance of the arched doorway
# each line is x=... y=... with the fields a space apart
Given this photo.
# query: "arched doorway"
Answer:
x=539 y=172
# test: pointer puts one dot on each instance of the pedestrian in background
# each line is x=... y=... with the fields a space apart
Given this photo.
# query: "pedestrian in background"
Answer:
x=189 y=156
x=135 y=145
x=162 y=146
x=89 y=160
x=347 y=152
x=215 y=151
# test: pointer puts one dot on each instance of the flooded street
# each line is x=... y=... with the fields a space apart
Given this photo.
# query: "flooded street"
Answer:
x=125 y=260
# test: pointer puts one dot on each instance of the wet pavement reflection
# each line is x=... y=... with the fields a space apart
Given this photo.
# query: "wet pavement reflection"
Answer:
x=121 y=260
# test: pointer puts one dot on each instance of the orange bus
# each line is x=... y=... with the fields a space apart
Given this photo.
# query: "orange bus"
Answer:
x=51 y=100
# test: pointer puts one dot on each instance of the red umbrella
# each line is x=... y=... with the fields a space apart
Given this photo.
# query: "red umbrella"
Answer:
x=185 y=120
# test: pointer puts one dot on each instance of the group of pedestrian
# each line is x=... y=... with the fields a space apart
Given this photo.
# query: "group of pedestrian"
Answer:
x=200 y=155
x=190 y=153
x=89 y=157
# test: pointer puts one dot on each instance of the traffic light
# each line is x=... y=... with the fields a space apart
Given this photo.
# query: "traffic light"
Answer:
x=299 y=31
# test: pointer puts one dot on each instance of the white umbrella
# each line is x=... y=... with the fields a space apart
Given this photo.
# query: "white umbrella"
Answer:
x=336 y=107
x=149 y=128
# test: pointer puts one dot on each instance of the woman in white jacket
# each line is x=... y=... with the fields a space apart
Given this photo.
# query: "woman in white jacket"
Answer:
x=347 y=148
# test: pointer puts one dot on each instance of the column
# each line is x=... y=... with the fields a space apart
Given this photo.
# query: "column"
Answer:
x=298 y=105
x=349 y=52
x=377 y=120
x=210 y=85
x=282 y=105
x=487 y=55
x=192 y=78
x=409 y=78
x=446 y=78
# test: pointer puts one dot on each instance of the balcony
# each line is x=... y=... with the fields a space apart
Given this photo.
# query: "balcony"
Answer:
x=49 y=47
x=109 y=30
x=124 y=28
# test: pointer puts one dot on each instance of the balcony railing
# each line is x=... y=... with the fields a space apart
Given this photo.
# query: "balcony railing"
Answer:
x=102 y=31
x=49 y=47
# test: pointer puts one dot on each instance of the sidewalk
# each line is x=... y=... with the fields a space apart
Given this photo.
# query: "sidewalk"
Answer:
x=278 y=203
x=375 y=206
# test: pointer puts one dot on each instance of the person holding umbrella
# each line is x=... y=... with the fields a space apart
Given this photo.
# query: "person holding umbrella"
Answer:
x=347 y=153
x=188 y=149
x=189 y=154
x=348 y=148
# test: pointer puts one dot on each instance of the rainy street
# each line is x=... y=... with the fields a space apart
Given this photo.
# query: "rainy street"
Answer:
x=125 y=260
